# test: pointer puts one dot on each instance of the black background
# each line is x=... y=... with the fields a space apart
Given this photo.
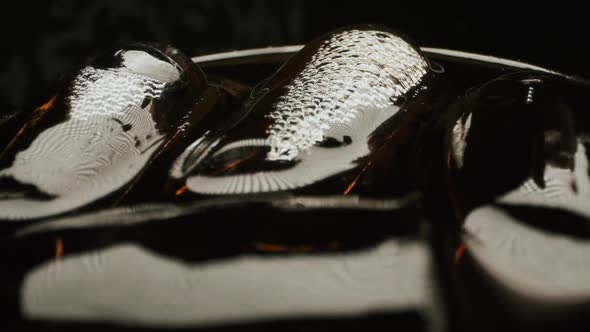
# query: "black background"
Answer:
x=42 y=41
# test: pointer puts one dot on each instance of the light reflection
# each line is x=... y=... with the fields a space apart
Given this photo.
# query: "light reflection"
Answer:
x=129 y=284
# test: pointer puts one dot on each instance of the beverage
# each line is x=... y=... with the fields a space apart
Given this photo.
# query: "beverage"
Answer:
x=459 y=203
x=319 y=123
x=108 y=122
x=518 y=182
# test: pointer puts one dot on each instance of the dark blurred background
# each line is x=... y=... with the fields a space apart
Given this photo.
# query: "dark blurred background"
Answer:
x=43 y=40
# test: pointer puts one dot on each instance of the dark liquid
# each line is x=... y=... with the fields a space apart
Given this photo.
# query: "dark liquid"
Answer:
x=312 y=128
x=350 y=221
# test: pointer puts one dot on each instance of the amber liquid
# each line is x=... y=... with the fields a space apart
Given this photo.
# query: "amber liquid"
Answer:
x=417 y=158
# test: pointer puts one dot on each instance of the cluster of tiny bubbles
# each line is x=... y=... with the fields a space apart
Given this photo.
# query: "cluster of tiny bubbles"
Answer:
x=352 y=72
